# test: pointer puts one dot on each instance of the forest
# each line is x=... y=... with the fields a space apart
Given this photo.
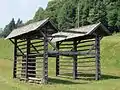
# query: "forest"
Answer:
x=75 y=13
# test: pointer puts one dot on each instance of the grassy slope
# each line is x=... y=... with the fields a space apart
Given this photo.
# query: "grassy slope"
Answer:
x=110 y=60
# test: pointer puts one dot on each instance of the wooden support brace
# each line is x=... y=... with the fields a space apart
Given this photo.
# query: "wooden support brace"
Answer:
x=17 y=47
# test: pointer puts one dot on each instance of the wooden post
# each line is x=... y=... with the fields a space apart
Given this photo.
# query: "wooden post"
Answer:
x=27 y=56
x=97 y=46
x=74 y=60
x=15 y=58
x=57 y=60
x=45 y=61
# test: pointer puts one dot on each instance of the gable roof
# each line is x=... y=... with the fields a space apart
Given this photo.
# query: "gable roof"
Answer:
x=28 y=28
x=80 y=32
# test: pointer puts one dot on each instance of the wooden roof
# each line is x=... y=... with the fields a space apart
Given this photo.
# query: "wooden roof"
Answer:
x=29 y=28
x=98 y=28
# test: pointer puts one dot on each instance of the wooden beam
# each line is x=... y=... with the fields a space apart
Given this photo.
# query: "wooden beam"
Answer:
x=34 y=48
x=49 y=41
x=17 y=47
x=15 y=58
x=45 y=61
x=27 y=56
x=97 y=46
x=57 y=60
x=74 y=60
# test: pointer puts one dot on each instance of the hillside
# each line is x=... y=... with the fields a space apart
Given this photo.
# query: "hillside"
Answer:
x=110 y=62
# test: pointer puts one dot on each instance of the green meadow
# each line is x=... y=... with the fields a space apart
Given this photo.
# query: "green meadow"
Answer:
x=110 y=67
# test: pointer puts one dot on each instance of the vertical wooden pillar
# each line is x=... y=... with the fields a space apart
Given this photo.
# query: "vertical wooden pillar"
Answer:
x=15 y=59
x=97 y=46
x=27 y=56
x=45 y=61
x=57 y=60
x=75 y=60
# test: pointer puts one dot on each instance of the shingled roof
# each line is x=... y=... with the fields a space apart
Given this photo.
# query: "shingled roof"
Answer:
x=80 y=32
x=28 y=28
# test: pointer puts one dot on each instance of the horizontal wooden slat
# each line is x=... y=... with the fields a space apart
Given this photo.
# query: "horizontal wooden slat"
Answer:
x=64 y=62
x=85 y=65
x=66 y=44
x=86 y=49
x=21 y=41
x=86 y=57
x=86 y=61
x=36 y=42
x=66 y=47
x=22 y=45
x=85 y=45
x=87 y=41
x=86 y=70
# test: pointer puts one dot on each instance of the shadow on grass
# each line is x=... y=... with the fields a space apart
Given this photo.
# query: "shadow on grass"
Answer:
x=60 y=81
x=86 y=77
x=92 y=77
x=104 y=77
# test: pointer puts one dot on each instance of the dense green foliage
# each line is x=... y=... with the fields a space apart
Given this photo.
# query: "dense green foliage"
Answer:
x=65 y=13
x=74 y=13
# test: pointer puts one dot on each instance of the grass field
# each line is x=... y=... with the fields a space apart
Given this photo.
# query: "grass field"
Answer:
x=110 y=62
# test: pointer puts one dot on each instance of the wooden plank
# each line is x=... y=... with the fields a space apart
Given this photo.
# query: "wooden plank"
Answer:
x=21 y=41
x=85 y=45
x=66 y=47
x=22 y=45
x=86 y=61
x=15 y=58
x=45 y=61
x=74 y=60
x=17 y=47
x=66 y=44
x=75 y=32
x=36 y=42
x=97 y=45
x=49 y=41
x=85 y=49
x=86 y=66
x=34 y=48
x=87 y=57
x=87 y=41
x=57 y=60
x=28 y=51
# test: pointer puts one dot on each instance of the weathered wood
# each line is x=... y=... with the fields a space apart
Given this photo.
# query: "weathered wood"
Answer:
x=88 y=57
x=45 y=61
x=17 y=47
x=21 y=41
x=75 y=32
x=66 y=47
x=86 y=61
x=15 y=58
x=57 y=60
x=85 y=45
x=97 y=46
x=75 y=60
x=87 y=41
x=36 y=42
x=34 y=48
x=28 y=51
x=49 y=41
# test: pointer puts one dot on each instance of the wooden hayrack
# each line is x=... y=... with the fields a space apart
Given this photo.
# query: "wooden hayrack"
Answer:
x=77 y=51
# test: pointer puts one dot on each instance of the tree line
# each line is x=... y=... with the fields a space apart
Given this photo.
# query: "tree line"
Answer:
x=73 y=13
